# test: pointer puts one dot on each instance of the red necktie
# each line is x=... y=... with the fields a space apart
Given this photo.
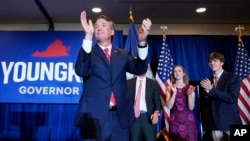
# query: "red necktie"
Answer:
x=106 y=51
x=137 y=100
x=112 y=98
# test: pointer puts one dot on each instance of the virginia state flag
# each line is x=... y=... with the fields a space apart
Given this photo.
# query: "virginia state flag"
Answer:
x=132 y=40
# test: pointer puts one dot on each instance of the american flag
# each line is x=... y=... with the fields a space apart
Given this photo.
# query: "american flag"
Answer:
x=242 y=68
x=164 y=70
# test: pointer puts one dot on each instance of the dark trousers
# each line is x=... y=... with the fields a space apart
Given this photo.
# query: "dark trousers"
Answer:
x=142 y=129
x=108 y=131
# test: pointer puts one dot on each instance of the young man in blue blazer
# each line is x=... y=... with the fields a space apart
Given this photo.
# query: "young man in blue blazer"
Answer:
x=221 y=96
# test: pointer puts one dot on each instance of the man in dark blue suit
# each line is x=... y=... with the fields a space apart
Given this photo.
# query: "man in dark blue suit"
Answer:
x=105 y=110
x=144 y=127
x=221 y=93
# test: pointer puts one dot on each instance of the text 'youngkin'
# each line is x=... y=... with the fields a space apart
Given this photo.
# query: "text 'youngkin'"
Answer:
x=30 y=71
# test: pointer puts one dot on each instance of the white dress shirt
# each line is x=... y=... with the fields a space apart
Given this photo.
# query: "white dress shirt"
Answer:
x=143 y=106
x=87 y=46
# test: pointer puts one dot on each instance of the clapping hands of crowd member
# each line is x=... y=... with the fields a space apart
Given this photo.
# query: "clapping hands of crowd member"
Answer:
x=173 y=88
x=206 y=84
x=170 y=95
x=191 y=89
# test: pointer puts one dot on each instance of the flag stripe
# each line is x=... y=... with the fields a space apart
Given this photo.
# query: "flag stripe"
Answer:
x=161 y=84
x=244 y=95
x=243 y=116
x=165 y=111
x=244 y=104
x=244 y=100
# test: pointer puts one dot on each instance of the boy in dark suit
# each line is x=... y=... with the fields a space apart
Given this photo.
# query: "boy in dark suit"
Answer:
x=220 y=96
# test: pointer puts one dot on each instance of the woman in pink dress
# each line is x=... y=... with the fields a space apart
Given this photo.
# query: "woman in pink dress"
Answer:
x=180 y=100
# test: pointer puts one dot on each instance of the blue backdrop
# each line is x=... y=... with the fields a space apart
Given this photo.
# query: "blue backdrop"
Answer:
x=38 y=66
x=27 y=115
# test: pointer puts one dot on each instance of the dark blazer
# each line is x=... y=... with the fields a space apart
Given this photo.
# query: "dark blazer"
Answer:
x=152 y=94
x=100 y=78
x=223 y=102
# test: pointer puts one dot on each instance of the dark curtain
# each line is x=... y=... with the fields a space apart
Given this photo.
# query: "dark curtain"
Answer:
x=54 y=122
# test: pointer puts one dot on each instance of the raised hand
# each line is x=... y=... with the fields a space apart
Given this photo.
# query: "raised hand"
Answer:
x=87 y=26
x=144 y=31
x=206 y=84
x=191 y=89
x=173 y=88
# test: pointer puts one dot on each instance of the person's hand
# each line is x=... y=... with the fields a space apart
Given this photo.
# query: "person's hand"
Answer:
x=206 y=84
x=155 y=117
x=191 y=89
x=87 y=26
x=144 y=31
x=173 y=88
x=168 y=89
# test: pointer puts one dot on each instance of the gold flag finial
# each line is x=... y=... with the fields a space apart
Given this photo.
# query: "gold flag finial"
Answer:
x=164 y=34
x=131 y=14
x=239 y=29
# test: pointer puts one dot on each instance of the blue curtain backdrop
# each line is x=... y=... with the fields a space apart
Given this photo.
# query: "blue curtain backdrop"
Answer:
x=54 y=122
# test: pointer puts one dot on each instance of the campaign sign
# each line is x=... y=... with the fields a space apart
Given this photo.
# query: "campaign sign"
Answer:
x=239 y=132
x=38 y=66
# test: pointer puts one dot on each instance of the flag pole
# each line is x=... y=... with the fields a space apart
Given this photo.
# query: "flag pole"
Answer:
x=239 y=29
x=131 y=14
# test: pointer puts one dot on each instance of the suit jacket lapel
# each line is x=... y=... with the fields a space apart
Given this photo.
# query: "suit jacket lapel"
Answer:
x=222 y=79
x=147 y=89
x=114 y=55
x=115 y=63
x=134 y=87
x=99 y=52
